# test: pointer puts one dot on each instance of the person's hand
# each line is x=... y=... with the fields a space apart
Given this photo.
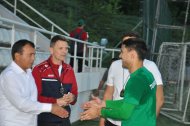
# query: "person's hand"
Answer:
x=102 y=122
x=87 y=105
x=66 y=99
x=92 y=113
x=94 y=102
x=61 y=101
x=69 y=98
x=96 y=99
x=59 y=111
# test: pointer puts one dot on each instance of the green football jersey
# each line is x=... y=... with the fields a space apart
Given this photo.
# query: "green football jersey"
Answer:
x=139 y=104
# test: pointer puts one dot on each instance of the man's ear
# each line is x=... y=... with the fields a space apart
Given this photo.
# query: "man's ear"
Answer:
x=17 y=56
x=133 y=54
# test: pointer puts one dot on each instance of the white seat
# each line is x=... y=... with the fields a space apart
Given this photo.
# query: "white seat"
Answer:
x=21 y=35
x=1 y=35
x=6 y=56
x=1 y=22
x=17 y=35
x=6 y=36
x=24 y=35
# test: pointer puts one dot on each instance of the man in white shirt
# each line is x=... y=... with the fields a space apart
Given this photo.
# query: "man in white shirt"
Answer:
x=118 y=76
x=18 y=92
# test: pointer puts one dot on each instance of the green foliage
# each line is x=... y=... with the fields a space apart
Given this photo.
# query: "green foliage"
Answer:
x=130 y=7
x=104 y=18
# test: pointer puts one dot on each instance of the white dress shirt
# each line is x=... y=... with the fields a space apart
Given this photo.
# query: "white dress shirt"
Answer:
x=18 y=98
x=118 y=76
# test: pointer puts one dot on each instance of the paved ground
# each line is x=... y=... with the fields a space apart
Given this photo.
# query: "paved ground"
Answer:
x=162 y=121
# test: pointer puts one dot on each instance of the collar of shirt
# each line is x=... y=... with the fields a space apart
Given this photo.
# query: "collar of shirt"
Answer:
x=64 y=65
x=18 y=69
x=52 y=64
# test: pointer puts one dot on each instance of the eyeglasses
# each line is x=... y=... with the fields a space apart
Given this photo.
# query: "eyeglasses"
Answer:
x=122 y=93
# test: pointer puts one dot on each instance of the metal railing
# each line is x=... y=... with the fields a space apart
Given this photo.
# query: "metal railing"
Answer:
x=53 y=25
x=14 y=25
x=44 y=30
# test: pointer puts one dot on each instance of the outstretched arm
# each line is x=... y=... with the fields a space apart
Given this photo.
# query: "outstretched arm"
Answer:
x=111 y=110
x=159 y=99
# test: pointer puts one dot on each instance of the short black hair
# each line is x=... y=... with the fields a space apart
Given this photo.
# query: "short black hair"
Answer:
x=18 y=46
x=138 y=45
x=131 y=34
x=128 y=34
x=56 y=38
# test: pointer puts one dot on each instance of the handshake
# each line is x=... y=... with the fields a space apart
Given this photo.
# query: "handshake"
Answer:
x=58 y=108
x=92 y=109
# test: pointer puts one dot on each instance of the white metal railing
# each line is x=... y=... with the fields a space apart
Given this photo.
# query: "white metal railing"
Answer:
x=41 y=29
x=92 y=48
x=97 y=58
x=112 y=51
x=53 y=25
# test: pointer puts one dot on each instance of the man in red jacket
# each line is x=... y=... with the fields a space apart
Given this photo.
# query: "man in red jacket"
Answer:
x=56 y=82
x=81 y=34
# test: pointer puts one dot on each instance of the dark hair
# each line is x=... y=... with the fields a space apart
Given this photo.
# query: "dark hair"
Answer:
x=18 y=46
x=138 y=45
x=55 y=39
x=128 y=34
x=131 y=34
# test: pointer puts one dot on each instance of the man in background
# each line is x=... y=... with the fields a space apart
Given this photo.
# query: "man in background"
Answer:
x=96 y=92
x=81 y=34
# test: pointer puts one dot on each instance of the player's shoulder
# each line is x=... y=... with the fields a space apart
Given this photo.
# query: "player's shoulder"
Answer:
x=142 y=73
x=7 y=71
x=67 y=67
x=117 y=63
x=148 y=63
x=42 y=66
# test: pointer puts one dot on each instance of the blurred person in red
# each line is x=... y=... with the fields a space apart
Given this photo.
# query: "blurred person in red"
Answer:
x=81 y=34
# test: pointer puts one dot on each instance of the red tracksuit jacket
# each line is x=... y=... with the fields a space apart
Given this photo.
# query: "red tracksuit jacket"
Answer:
x=48 y=84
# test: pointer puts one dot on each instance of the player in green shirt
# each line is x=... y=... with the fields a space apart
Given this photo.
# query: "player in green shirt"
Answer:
x=139 y=104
